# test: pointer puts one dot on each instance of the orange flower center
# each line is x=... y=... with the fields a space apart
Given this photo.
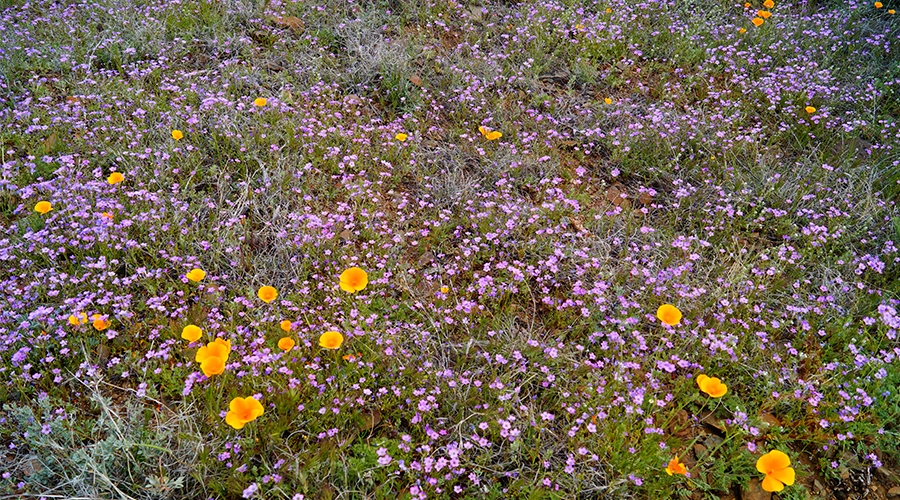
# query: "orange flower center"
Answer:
x=244 y=411
x=212 y=365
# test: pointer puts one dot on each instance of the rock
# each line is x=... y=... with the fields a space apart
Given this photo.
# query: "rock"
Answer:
x=32 y=465
x=754 y=491
x=894 y=492
x=850 y=460
x=886 y=475
x=291 y=22
x=770 y=420
x=713 y=442
x=612 y=194
x=699 y=450
x=426 y=258
x=713 y=423
x=818 y=486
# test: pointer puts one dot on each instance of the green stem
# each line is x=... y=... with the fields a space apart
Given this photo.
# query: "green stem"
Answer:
x=160 y=448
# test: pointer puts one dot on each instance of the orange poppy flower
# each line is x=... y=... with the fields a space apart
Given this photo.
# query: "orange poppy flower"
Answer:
x=286 y=325
x=401 y=137
x=267 y=294
x=76 y=320
x=218 y=348
x=676 y=467
x=878 y=5
x=191 y=333
x=196 y=275
x=742 y=30
x=354 y=280
x=607 y=100
x=810 y=109
x=757 y=21
x=331 y=340
x=213 y=356
x=746 y=5
x=42 y=207
x=115 y=178
x=489 y=134
x=260 y=101
x=776 y=465
x=99 y=323
x=177 y=135
x=768 y=4
x=763 y=14
x=712 y=386
x=669 y=314
x=286 y=344
x=243 y=410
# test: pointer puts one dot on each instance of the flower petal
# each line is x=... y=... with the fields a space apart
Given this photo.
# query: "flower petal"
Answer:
x=771 y=484
x=237 y=405
x=233 y=420
x=708 y=384
x=217 y=350
x=718 y=390
x=256 y=408
x=213 y=365
x=786 y=475
x=714 y=387
x=772 y=461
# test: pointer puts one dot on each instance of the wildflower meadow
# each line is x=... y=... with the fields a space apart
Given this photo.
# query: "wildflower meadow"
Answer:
x=449 y=249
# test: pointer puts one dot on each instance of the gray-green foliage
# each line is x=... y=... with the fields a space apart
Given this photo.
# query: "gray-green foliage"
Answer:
x=128 y=452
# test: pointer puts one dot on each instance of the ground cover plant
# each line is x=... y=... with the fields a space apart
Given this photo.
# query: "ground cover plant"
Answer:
x=440 y=249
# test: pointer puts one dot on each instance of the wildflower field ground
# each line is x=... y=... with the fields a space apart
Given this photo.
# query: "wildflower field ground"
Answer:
x=483 y=249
